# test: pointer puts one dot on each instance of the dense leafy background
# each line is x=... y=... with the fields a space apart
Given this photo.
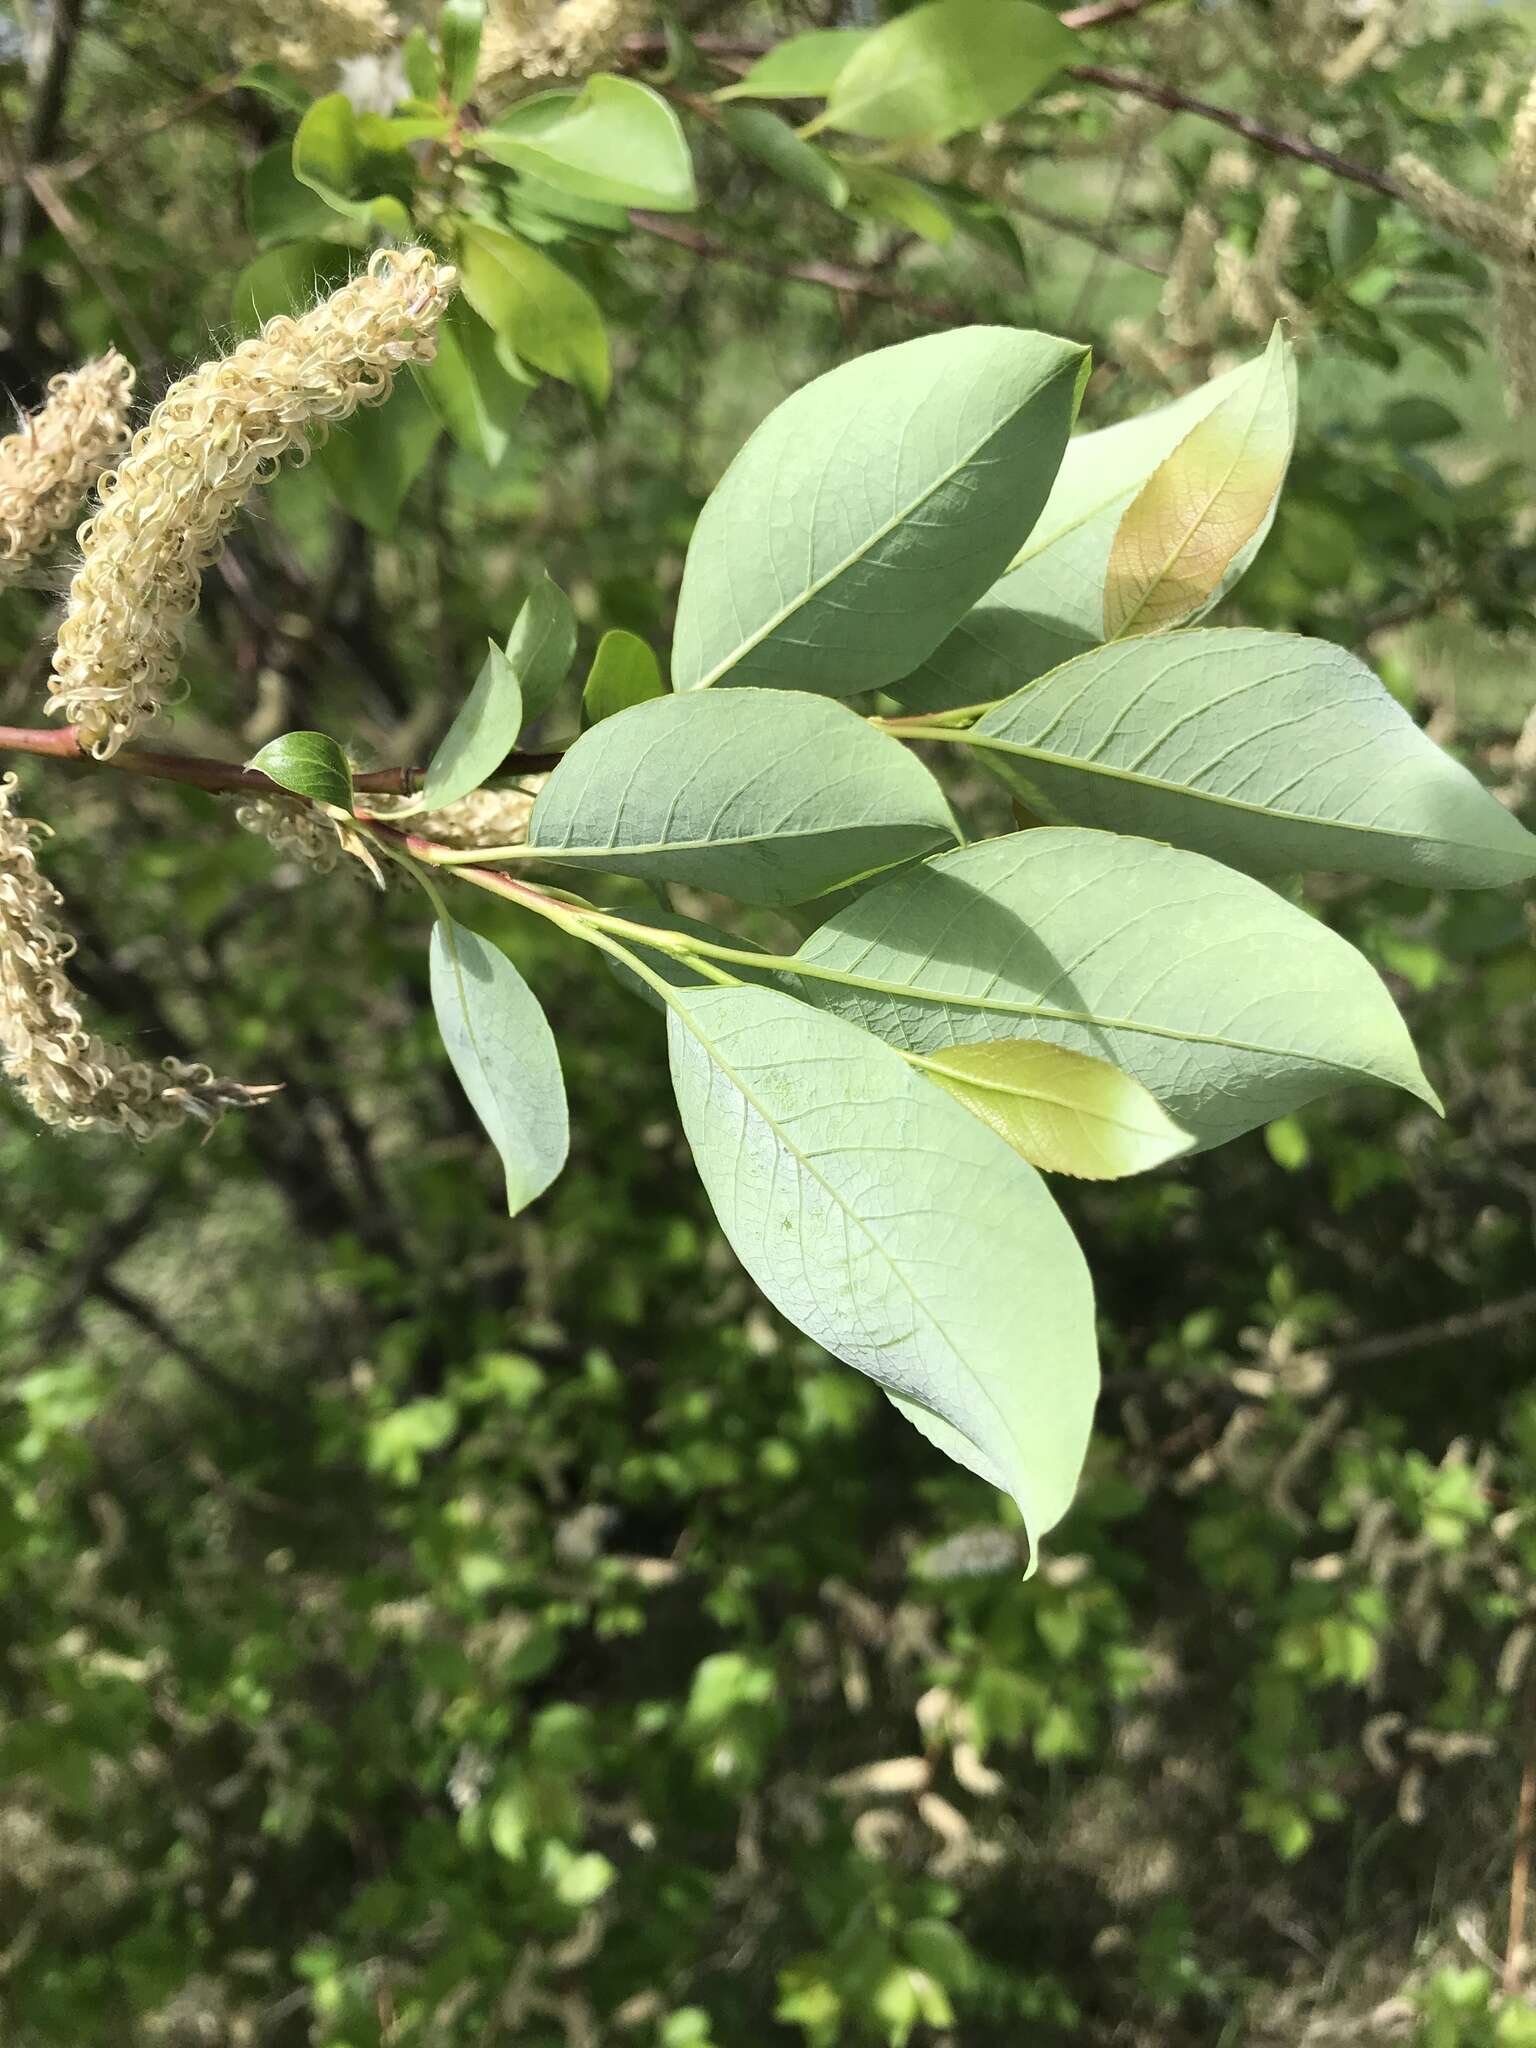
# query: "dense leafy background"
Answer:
x=420 y=1628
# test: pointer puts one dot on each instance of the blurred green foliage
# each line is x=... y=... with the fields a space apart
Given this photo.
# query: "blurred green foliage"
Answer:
x=423 y=1630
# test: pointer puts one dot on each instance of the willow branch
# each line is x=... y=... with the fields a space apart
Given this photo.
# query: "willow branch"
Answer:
x=833 y=277
x=62 y=743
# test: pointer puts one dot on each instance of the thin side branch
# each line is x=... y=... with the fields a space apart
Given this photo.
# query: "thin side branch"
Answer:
x=834 y=277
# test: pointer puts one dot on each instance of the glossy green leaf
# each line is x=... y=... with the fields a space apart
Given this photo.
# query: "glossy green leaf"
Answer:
x=309 y=764
x=1231 y=1005
x=542 y=646
x=624 y=672
x=1266 y=750
x=469 y=388
x=896 y=1230
x=1050 y=605
x=763 y=796
x=480 y=737
x=372 y=460
x=459 y=28
x=869 y=512
x=1065 y=1111
x=504 y=1054
x=947 y=66
x=546 y=316
x=804 y=67
x=615 y=140
x=770 y=139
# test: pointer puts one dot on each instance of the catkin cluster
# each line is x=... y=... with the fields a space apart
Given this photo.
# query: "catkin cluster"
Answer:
x=486 y=817
x=163 y=514
x=57 y=453
x=526 y=40
x=1213 y=285
x=1503 y=229
x=68 y=1076
x=310 y=37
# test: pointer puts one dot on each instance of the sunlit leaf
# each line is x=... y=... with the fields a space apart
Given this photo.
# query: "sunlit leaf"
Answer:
x=1064 y=1111
x=947 y=66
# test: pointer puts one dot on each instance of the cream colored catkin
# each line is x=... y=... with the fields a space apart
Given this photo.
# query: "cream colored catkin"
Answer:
x=163 y=514
x=49 y=464
x=67 y=1076
x=311 y=37
x=484 y=818
x=525 y=40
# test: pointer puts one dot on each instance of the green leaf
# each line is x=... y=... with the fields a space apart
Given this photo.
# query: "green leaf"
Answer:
x=895 y=1230
x=888 y=196
x=480 y=737
x=765 y=797
x=806 y=67
x=1204 y=506
x=372 y=461
x=278 y=207
x=869 y=512
x=615 y=140
x=1050 y=605
x=309 y=764
x=459 y=28
x=276 y=83
x=361 y=183
x=286 y=280
x=469 y=388
x=765 y=136
x=423 y=72
x=542 y=646
x=546 y=316
x=504 y=1054
x=945 y=67
x=1271 y=752
x=1064 y=1111
x=624 y=672
x=1229 y=1004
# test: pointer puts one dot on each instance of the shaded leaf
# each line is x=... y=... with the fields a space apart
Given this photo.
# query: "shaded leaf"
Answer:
x=624 y=672
x=480 y=737
x=542 y=646
x=459 y=28
x=542 y=312
x=504 y=1054
x=469 y=388
x=371 y=460
x=763 y=135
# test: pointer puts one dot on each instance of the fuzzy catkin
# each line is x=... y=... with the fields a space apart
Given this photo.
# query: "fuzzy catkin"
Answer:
x=163 y=514
x=310 y=37
x=531 y=39
x=57 y=453
x=66 y=1075
x=295 y=828
x=486 y=817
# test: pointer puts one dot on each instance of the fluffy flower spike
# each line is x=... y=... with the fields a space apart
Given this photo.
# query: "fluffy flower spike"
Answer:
x=164 y=513
x=57 y=453
x=532 y=39
x=68 y=1076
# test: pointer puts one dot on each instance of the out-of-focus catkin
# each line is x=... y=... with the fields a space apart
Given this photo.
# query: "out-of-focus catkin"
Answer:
x=532 y=39
x=310 y=37
x=484 y=818
x=57 y=453
x=67 y=1075
x=164 y=513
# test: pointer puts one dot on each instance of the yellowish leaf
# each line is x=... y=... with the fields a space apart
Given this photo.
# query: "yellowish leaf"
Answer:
x=1204 y=505
x=1064 y=1111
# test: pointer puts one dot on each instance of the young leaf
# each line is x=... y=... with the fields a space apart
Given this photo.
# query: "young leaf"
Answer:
x=372 y=461
x=469 y=388
x=459 y=29
x=1064 y=1111
x=1271 y=752
x=762 y=796
x=1050 y=605
x=361 y=183
x=546 y=316
x=310 y=764
x=624 y=672
x=761 y=134
x=423 y=72
x=805 y=67
x=947 y=66
x=542 y=645
x=897 y=1231
x=615 y=140
x=869 y=512
x=504 y=1054
x=1204 y=504
x=889 y=196
x=1229 y=1004
x=480 y=737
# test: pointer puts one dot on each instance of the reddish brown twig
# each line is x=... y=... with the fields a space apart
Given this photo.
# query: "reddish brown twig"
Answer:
x=1520 y=1868
x=834 y=277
